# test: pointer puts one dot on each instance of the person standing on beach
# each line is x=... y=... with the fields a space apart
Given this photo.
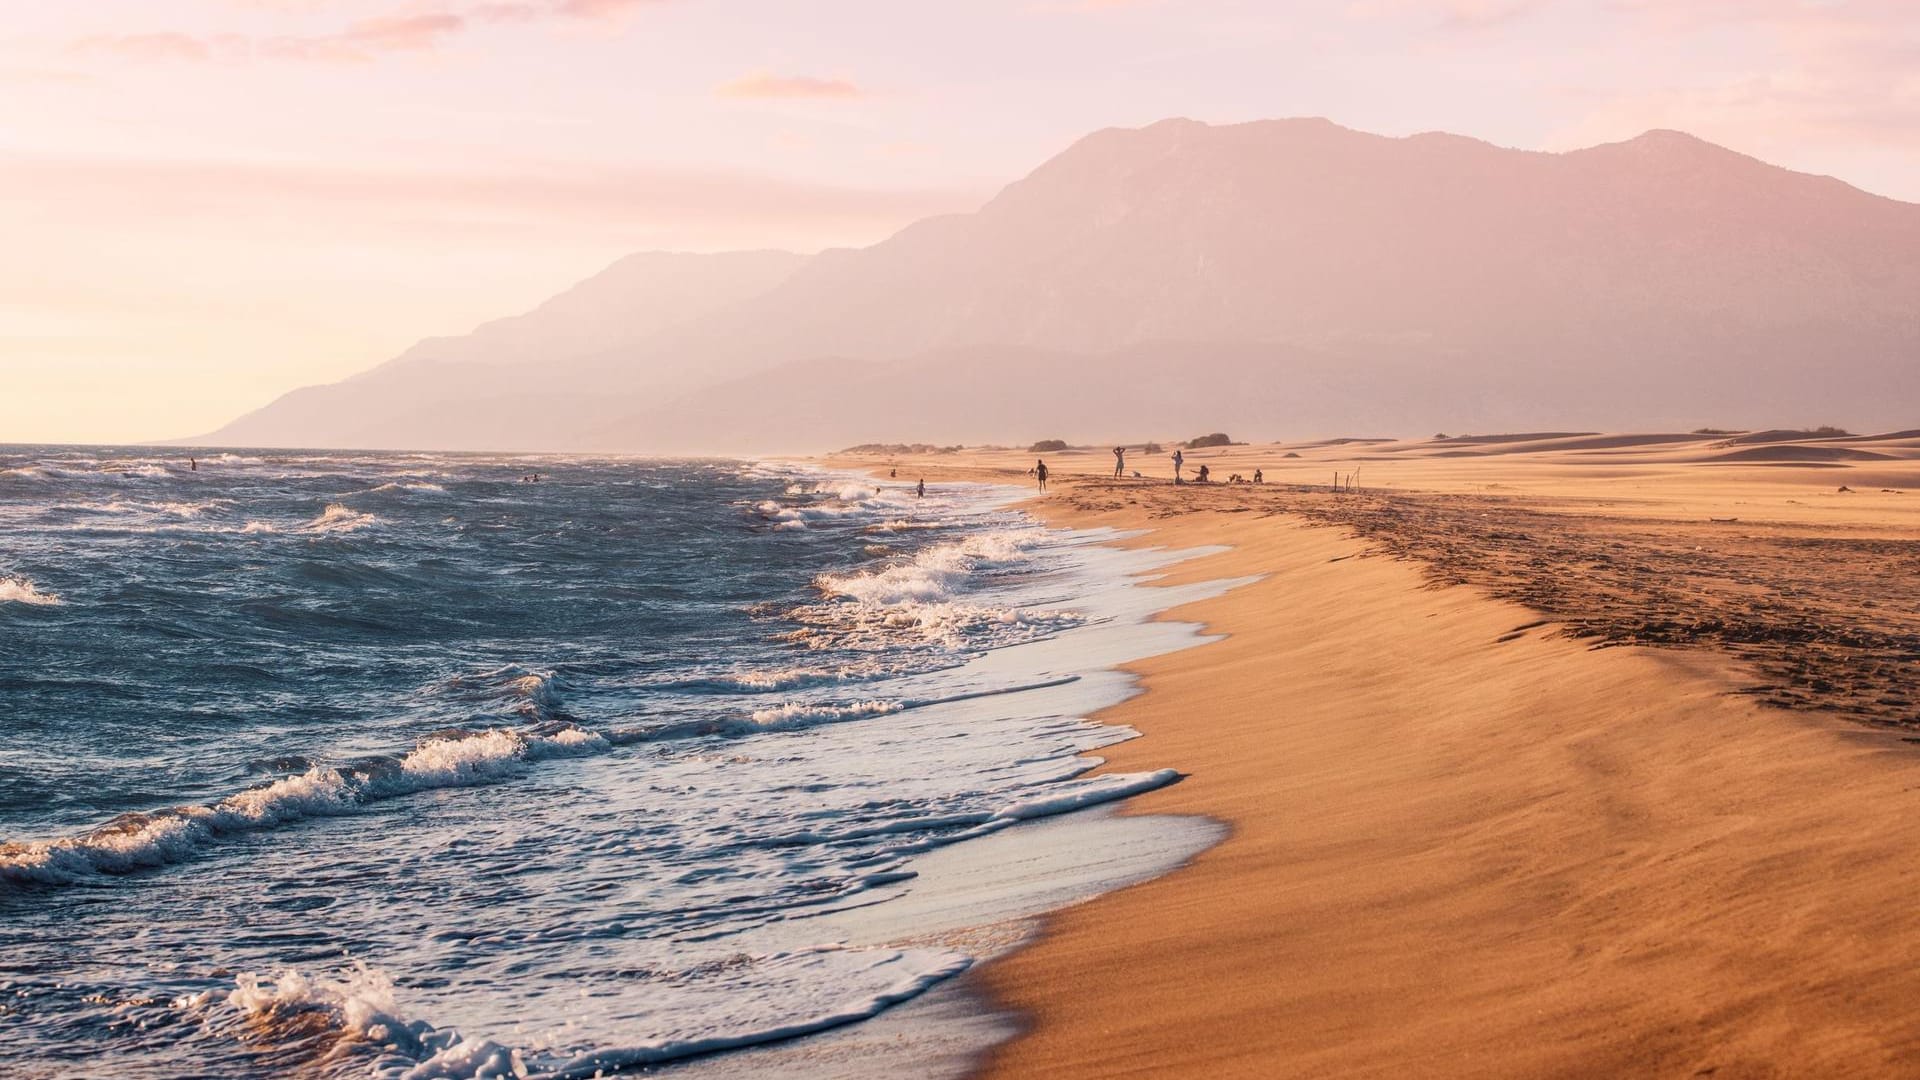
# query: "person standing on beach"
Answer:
x=1040 y=470
x=1119 y=462
x=1178 y=460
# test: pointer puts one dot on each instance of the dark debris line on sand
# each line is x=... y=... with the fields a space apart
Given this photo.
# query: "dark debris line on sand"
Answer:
x=1829 y=621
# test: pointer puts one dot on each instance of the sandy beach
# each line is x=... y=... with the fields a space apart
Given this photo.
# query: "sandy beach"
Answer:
x=1557 y=755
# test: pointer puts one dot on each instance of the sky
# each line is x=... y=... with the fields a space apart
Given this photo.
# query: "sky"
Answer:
x=205 y=203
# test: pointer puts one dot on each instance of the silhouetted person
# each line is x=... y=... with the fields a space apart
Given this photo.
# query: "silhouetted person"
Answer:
x=193 y=465
x=1204 y=471
x=1119 y=461
x=1040 y=470
x=1258 y=478
x=1178 y=460
x=921 y=491
x=893 y=474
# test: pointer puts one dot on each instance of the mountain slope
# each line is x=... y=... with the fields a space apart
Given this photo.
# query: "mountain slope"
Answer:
x=1299 y=278
x=510 y=382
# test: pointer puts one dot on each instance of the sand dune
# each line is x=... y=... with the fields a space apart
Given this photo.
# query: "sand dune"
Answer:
x=1796 y=452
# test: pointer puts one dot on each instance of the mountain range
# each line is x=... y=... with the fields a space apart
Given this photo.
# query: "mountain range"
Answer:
x=1274 y=279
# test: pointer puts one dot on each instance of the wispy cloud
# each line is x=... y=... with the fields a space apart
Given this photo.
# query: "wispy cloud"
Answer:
x=358 y=42
x=1448 y=14
x=601 y=9
x=1828 y=82
x=766 y=85
x=163 y=45
x=364 y=40
x=534 y=198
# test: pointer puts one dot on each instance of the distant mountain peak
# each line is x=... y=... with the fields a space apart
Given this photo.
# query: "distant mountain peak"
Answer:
x=1289 y=275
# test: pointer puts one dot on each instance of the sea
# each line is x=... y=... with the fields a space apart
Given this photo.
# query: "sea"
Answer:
x=435 y=765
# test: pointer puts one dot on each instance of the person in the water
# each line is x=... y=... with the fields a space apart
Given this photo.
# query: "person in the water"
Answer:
x=920 y=492
x=192 y=464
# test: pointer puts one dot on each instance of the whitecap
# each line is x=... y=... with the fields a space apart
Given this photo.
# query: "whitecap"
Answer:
x=339 y=518
x=19 y=590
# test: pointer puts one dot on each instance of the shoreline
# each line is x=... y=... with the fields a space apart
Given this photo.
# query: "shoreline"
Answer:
x=1465 y=843
x=988 y=896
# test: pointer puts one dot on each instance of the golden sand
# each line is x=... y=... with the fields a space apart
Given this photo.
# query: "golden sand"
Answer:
x=1465 y=843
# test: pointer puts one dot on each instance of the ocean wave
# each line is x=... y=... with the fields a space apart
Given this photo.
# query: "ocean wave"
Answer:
x=804 y=502
x=142 y=840
x=791 y=716
x=352 y=1019
x=451 y=758
x=794 y=677
x=407 y=485
x=339 y=518
x=19 y=590
x=794 y=715
x=348 y=1019
x=935 y=573
x=1061 y=796
x=923 y=596
x=177 y=509
x=535 y=694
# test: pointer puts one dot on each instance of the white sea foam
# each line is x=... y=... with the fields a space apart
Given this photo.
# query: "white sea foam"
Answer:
x=815 y=501
x=795 y=677
x=408 y=485
x=1064 y=795
x=535 y=694
x=19 y=590
x=339 y=518
x=924 y=596
x=135 y=841
x=357 y=1012
x=354 y=1018
x=794 y=715
x=935 y=574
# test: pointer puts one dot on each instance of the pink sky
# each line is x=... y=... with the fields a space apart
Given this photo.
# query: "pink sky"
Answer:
x=208 y=202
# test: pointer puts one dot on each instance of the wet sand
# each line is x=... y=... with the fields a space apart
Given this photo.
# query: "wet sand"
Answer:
x=1464 y=839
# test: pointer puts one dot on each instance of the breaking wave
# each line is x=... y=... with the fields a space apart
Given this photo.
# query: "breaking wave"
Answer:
x=351 y=1021
x=923 y=597
x=339 y=518
x=142 y=840
x=19 y=590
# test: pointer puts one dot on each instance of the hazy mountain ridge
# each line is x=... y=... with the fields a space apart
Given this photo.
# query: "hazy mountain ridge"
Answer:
x=505 y=376
x=1293 y=275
